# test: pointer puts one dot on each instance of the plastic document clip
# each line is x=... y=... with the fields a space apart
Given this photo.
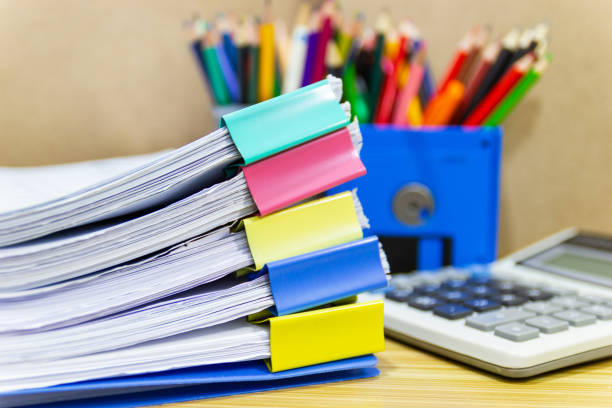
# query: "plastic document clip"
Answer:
x=303 y=171
x=301 y=229
x=346 y=269
x=323 y=335
x=288 y=120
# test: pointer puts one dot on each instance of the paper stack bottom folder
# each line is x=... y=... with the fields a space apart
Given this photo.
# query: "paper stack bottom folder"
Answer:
x=127 y=312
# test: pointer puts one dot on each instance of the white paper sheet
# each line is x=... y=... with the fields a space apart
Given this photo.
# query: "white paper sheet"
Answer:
x=189 y=264
x=229 y=342
x=208 y=305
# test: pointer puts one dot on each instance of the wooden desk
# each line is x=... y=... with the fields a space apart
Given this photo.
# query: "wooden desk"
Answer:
x=414 y=378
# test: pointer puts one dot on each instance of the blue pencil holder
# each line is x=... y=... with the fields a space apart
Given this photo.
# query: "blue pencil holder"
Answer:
x=431 y=194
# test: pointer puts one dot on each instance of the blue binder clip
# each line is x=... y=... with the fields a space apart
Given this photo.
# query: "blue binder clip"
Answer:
x=346 y=269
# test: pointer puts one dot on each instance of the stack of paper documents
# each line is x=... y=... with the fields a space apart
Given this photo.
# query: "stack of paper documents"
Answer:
x=151 y=263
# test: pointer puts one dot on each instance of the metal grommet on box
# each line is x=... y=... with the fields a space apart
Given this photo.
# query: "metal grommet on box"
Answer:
x=413 y=203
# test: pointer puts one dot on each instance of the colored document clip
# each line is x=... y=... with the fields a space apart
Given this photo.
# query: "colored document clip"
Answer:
x=288 y=120
x=301 y=229
x=323 y=335
x=304 y=171
x=346 y=269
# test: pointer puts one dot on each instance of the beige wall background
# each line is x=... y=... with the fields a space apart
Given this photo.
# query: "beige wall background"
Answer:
x=90 y=79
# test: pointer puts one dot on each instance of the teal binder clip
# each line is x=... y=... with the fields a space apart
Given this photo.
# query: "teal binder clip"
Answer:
x=286 y=121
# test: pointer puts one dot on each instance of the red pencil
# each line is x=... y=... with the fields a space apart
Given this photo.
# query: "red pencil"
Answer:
x=499 y=90
x=489 y=55
x=387 y=96
x=325 y=33
x=463 y=49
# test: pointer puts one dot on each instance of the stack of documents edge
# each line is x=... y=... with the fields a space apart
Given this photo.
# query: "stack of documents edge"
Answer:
x=204 y=271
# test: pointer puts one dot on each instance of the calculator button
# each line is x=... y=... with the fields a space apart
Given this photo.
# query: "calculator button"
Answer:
x=593 y=299
x=516 y=331
x=453 y=295
x=547 y=324
x=543 y=307
x=487 y=321
x=428 y=289
x=480 y=279
x=424 y=302
x=452 y=311
x=602 y=312
x=569 y=302
x=481 y=291
x=482 y=304
x=576 y=318
x=507 y=286
x=560 y=291
x=536 y=294
x=454 y=283
x=510 y=299
x=399 y=295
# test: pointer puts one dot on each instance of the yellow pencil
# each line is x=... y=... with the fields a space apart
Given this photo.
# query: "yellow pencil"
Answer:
x=266 y=57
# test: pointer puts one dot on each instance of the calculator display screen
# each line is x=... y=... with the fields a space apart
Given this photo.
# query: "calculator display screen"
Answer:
x=581 y=263
x=585 y=256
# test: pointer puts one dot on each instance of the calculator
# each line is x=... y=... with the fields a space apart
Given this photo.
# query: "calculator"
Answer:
x=545 y=307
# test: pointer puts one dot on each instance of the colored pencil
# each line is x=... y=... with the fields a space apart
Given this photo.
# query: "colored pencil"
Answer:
x=486 y=106
x=254 y=59
x=376 y=74
x=195 y=29
x=441 y=109
x=517 y=93
x=244 y=60
x=461 y=54
x=311 y=50
x=509 y=44
x=297 y=53
x=266 y=57
x=225 y=26
x=325 y=33
x=415 y=112
x=410 y=90
x=218 y=85
x=388 y=94
x=333 y=60
x=489 y=55
x=229 y=75
x=281 y=41
x=478 y=43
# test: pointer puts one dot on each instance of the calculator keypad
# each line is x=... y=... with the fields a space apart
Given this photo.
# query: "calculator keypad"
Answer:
x=512 y=310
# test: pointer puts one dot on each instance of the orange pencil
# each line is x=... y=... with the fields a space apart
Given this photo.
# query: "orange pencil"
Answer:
x=440 y=110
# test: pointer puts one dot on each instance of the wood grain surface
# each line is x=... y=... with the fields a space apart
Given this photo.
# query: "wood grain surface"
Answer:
x=414 y=378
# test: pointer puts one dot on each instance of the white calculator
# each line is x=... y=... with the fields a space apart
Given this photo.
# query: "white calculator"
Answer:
x=545 y=307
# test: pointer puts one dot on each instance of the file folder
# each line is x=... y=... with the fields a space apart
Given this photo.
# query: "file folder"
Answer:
x=189 y=384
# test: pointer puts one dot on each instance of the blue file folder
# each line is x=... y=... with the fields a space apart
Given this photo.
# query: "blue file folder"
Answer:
x=188 y=384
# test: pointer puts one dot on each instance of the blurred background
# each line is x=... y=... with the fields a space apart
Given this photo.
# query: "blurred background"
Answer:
x=91 y=79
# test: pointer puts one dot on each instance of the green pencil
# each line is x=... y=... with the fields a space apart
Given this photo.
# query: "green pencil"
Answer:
x=359 y=106
x=508 y=104
x=376 y=74
x=217 y=83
